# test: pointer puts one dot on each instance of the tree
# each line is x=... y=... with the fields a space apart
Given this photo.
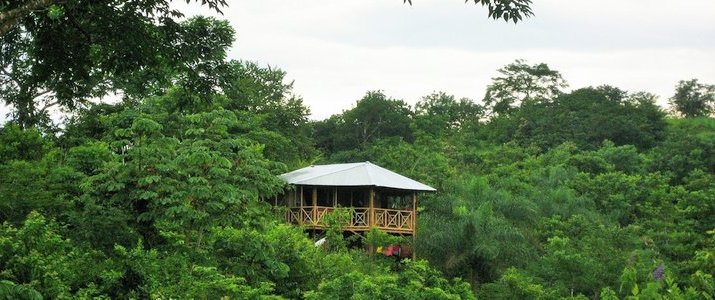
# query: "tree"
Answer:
x=19 y=144
x=470 y=229
x=62 y=53
x=374 y=117
x=515 y=284
x=601 y=247
x=13 y=13
x=439 y=113
x=688 y=145
x=265 y=93
x=424 y=163
x=519 y=82
x=416 y=281
x=323 y=133
x=693 y=99
x=36 y=256
x=183 y=173
x=586 y=117
x=86 y=124
x=508 y=10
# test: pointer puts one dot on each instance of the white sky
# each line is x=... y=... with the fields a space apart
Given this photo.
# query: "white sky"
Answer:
x=338 y=50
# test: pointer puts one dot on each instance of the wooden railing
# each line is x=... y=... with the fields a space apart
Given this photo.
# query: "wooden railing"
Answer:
x=393 y=219
x=389 y=220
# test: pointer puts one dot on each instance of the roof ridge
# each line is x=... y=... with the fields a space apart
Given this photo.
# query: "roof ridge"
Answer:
x=369 y=173
x=336 y=171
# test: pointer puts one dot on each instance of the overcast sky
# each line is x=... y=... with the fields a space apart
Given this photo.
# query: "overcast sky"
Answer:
x=335 y=51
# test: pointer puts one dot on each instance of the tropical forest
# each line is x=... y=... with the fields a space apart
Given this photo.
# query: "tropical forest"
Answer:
x=544 y=189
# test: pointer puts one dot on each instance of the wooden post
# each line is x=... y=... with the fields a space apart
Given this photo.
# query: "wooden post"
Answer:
x=371 y=217
x=315 y=197
x=414 y=224
x=335 y=198
x=314 y=210
x=300 y=218
x=371 y=208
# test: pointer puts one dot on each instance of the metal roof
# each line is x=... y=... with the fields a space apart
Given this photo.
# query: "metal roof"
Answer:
x=354 y=174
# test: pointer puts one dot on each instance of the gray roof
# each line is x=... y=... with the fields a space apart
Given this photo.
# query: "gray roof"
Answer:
x=354 y=174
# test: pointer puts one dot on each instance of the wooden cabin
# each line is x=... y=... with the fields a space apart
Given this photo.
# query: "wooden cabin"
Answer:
x=375 y=196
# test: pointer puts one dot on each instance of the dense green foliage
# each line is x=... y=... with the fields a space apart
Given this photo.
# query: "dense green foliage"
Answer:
x=586 y=194
x=693 y=99
x=163 y=199
x=60 y=53
x=582 y=194
x=162 y=195
x=543 y=193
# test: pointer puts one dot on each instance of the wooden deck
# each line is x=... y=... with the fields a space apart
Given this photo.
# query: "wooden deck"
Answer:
x=361 y=219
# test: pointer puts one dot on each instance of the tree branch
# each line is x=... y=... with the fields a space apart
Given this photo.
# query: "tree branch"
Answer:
x=9 y=18
x=45 y=92
x=9 y=76
x=46 y=106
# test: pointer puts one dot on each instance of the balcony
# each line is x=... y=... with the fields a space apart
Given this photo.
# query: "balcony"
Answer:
x=361 y=218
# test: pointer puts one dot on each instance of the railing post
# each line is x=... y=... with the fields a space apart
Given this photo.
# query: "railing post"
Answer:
x=351 y=223
x=414 y=224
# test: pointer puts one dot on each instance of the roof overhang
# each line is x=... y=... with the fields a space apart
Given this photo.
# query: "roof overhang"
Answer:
x=353 y=175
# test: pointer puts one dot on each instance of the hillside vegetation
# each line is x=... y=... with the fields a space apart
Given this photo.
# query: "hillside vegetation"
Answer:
x=543 y=192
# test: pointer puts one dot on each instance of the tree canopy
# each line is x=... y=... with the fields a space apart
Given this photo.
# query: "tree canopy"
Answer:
x=543 y=193
x=62 y=53
x=693 y=99
x=519 y=82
